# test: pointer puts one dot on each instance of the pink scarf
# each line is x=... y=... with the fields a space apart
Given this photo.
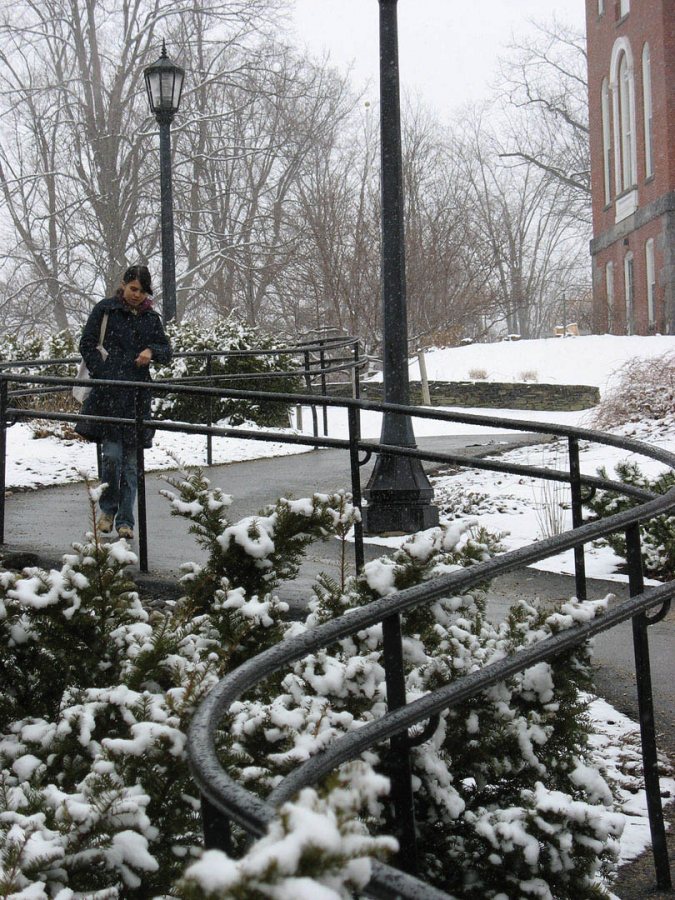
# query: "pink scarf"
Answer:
x=142 y=307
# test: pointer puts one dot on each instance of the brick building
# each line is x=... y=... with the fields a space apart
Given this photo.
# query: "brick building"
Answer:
x=631 y=84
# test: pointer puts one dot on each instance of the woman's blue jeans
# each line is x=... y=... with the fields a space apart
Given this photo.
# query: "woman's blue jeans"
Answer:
x=118 y=470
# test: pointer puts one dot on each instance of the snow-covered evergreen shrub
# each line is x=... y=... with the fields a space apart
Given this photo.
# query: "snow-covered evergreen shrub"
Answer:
x=226 y=335
x=39 y=346
x=657 y=534
x=95 y=789
x=641 y=389
x=507 y=800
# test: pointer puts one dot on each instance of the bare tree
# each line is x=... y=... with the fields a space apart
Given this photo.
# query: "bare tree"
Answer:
x=545 y=80
x=246 y=169
x=336 y=275
x=445 y=277
x=338 y=270
x=521 y=222
x=75 y=171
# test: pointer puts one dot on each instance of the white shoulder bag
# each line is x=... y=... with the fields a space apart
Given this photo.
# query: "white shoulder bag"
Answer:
x=82 y=391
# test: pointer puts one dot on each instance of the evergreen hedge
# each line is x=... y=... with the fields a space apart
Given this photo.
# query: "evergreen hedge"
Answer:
x=226 y=335
x=657 y=534
x=263 y=371
x=95 y=792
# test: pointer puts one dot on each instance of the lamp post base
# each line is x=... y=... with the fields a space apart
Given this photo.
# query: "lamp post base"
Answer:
x=399 y=497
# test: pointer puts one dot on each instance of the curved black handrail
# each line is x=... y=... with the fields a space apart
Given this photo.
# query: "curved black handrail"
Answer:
x=292 y=350
x=227 y=797
x=246 y=676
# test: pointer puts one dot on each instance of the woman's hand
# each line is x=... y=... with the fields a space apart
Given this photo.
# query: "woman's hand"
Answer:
x=144 y=357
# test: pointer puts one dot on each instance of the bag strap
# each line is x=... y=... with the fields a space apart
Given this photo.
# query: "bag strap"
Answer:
x=104 y=325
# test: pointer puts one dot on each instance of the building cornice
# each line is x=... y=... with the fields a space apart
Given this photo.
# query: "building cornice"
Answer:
x=641 y=216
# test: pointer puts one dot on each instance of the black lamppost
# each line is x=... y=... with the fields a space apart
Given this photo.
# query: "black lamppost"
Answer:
x=164 y=83
x=399 y=493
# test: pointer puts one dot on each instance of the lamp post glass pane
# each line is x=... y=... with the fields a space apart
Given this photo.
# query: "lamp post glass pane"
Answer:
x=169 y=91
x=153 y=89
x=164 y=82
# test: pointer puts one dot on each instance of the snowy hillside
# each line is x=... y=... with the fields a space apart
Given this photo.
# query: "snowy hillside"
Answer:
x=573 y=360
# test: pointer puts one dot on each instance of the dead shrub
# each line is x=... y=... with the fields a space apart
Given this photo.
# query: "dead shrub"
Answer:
x=640 y=389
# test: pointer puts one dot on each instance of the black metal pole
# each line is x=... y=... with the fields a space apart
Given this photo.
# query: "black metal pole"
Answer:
x=216 y=828
x=577 y=517
x=3 y=453
x=168 y=252
x=650 y=762
x=308 y=383
x=354 y=430
x=322 y=363
x=140 y=475
x=357 y=374
x=398 y=759
x=399 y=493
x=209 y=412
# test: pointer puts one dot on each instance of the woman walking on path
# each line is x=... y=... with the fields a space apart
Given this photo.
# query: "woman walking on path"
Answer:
x=133 y=337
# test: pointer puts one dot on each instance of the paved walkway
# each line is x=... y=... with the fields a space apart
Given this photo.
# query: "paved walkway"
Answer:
x=49 y=520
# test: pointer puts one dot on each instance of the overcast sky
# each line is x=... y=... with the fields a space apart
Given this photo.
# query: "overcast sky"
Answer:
x=447 y=49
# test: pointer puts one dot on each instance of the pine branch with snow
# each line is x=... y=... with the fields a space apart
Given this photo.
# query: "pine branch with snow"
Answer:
x=657 y=534
x=258 y=552
x=317 y=847
x=57 y=627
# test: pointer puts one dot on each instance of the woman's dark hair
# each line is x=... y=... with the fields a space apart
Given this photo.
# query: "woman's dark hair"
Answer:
x=140 y=274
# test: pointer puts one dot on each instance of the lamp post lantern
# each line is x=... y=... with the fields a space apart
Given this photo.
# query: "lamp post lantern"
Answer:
x=164 y=84
x=399 y=493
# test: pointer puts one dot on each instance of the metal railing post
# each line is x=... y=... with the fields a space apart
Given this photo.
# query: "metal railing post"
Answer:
x=3 y=453
x=577 y=517
x=322 y=363
x=216 y=828
x=209 y=412
x=308 y=382
x=646 y=711
x=140 y=475
x=356 y=380
x=353 y=424
x=399 y=767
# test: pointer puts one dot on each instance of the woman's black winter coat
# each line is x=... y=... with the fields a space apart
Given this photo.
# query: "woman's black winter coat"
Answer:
x=127 y=334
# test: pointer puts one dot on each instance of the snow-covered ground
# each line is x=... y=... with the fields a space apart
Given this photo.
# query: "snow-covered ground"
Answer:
x=591 y=360
x=519 y=506
x=39 y=462
x=572 y=360
x=525 y=509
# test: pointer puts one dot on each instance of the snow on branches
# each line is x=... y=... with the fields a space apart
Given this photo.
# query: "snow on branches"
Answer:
x=95 y=792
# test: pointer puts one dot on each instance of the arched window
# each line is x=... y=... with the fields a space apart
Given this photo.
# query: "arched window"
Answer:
x=609 y=285
x=625 y=124
x=606 y=143
x=651 y=281
x=622 y=88
x=647 y=101
x=629 y=292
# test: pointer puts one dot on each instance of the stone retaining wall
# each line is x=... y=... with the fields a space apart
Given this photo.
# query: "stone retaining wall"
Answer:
x=490 y=394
